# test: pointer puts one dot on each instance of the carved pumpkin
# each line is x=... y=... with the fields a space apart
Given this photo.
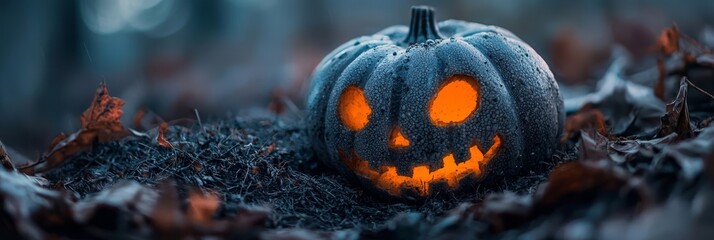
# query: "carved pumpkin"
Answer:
x=413 y=111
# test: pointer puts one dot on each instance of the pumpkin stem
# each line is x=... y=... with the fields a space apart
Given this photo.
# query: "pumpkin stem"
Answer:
x=423 y=26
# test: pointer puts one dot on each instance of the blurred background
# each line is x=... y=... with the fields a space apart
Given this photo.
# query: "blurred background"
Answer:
x=218 y=56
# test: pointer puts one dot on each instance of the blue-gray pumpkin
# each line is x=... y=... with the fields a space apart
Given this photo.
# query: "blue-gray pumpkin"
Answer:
x=414 y=111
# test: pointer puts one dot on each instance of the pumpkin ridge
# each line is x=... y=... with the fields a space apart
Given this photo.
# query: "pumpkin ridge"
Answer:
x=395 y=103
x=361 y=58
x=340 y=68
x=412 y=75
x=551 y=87
x=363 y=40
x=384 y=62
x=477 y=48
x=327 y=81
x=507 y=48
x=487 y=30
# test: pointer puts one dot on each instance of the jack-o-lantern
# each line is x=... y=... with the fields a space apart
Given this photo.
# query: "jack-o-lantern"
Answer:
x=413 y=111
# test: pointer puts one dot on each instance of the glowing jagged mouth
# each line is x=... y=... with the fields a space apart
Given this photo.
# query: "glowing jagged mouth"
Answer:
x=388 y=180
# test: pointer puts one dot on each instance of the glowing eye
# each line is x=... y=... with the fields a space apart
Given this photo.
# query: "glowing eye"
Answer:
x=455 y=101
x=353 y=108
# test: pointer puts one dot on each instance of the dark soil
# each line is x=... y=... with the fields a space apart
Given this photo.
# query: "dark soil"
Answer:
x=260 y=161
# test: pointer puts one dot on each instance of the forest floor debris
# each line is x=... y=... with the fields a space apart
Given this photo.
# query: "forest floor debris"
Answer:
x=628 y=168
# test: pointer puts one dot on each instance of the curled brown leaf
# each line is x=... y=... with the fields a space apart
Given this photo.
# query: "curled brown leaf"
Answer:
x=30 y=211
x=202 y=206
x=161 y=136
x=668 y=40
x=676 y=119
x=138 y=117
x=268 y=150
x=505 y=210
x=661 y=77
x=100 y=122
x=586 y=181
x=587 y=117
x=5 y=159
x=104 y=114
x=277 y=103
x=126 y=200
x=166 y=217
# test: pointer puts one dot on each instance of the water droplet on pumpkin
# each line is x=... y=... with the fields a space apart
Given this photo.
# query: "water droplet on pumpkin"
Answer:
x=394 y=53
x=356 y=43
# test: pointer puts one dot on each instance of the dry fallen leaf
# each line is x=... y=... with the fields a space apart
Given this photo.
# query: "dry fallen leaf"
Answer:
x=668 y=40
x=68 y=146
x=138 y=117
x=171 y=223
x=128 y=200
x=202 y=206
x=161 y=136
x=676 y=120
x=505 y=210
x=145 y=119
x=30 y=211
x=661 y=78
x=586 y=118
x=277 y=104
x=623 y=151
x=5 y=159
x=56 y=140
x=268 y=150
x=100 y=122
x=104 y=114
x=680 y=55
x=690 y=155
x=166 y=217
x=629 y=108
x=594 y=146
x=580 y=182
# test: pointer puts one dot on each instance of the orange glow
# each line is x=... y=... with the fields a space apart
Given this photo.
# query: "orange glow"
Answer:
x=353 y=108
x=397 y=139
x=388 y=180
x=455 y=101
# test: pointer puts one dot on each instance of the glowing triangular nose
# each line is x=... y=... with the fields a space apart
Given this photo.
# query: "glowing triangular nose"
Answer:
x=397 y=139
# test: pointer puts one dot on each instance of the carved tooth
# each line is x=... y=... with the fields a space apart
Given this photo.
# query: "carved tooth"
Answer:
x=388 y=180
